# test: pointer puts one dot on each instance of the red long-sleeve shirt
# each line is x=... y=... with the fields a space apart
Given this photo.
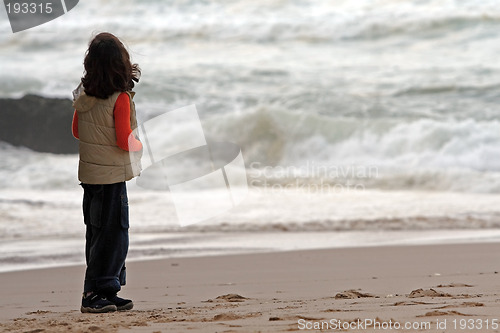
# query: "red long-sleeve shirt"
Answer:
x=121 y=114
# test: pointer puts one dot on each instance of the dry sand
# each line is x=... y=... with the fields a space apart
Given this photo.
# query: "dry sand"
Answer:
x=275 y=292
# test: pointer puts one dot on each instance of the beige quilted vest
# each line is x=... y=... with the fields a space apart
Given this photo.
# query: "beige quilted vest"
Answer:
x=101 y=160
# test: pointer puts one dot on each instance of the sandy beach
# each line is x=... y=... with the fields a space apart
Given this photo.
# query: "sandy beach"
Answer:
x=432 y=288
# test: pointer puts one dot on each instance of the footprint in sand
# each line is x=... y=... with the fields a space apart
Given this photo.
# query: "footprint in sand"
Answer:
x=232 y=298
x=295 y=318
x=228 y=298
x=406 y=303
x=454 y=285
x=226 y=316
x=352 y=294
x=462 y=305
x=234 y=316
x=38 y=312
x=433 y=293
x=427 y=293
x=437 y=313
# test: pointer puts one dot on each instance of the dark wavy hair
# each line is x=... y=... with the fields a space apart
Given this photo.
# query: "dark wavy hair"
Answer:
x=108 y=68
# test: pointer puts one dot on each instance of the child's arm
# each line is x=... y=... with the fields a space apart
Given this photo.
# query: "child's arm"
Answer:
x=74 y=125
x=122 y=125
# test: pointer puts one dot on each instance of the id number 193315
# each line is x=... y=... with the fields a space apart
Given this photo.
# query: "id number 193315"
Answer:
x=29 y=8
x=475 y=324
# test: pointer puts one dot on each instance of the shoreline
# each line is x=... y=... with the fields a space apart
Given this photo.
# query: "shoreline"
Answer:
x=212 y=243
x=457 y=281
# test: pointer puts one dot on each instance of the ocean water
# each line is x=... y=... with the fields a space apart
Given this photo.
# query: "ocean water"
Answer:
x=360 y=122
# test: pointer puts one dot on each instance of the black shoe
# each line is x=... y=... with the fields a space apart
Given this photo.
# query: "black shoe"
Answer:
x=121 y=303
x=95 y=303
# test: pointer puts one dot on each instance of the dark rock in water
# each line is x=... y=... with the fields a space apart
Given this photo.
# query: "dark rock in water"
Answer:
x=39 y=123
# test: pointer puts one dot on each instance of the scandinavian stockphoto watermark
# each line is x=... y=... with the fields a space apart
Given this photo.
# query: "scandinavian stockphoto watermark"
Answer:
x=312 y=177
x=371 y=324
x=25 y=14
x=205 y=178
x=375 y=324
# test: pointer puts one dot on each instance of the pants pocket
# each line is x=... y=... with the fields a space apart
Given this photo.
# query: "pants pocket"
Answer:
x=123 y=276
x=92 y=204
x=124 y=211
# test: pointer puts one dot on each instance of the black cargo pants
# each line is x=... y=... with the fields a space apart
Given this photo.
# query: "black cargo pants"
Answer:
x=105 y=213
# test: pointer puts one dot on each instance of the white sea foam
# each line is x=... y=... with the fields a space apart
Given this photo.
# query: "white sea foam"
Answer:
x=45 y=228
x=423 y=154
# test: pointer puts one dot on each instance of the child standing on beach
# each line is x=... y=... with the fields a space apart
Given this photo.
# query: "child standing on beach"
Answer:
x=104 y=121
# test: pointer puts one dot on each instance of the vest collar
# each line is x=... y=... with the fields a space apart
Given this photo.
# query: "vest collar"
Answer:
x=84 y=103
